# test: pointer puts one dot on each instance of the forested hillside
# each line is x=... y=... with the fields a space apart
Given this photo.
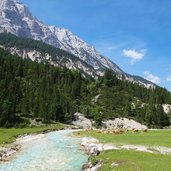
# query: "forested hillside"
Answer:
x=49 y=54
x=38 y=90
x=118 y=98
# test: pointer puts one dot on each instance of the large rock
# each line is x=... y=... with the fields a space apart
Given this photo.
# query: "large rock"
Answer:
x=122 y=123
x=167 y=108
x=81 y=121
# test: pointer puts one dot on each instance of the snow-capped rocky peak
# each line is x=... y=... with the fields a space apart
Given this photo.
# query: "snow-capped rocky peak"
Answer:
x=7 y=4
x=24 y=11
x=21 y=23
x=16 y=18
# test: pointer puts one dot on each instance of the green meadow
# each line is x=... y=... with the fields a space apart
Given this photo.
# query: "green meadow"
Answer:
x=151 y=138
x=130 y=160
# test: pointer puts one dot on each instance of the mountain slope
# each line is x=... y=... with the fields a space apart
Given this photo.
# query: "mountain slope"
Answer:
x=41 y=52
x=30 y=90
x=16 y=18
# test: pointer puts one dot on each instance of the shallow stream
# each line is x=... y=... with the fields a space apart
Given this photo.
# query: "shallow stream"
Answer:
x=56 y=151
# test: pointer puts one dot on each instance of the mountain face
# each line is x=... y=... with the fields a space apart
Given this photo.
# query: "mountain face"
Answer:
x=16 y=18
x=43 y=53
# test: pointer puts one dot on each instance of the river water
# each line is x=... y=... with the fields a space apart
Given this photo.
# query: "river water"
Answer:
x=56 y=151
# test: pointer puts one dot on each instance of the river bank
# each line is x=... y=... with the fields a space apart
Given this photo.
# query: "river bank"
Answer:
x=10 y=139
x=9 y=150
x=127 y=150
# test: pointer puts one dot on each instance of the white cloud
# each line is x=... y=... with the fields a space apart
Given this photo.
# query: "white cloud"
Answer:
x=168 y=78
x=133 y=54
x=153 y=78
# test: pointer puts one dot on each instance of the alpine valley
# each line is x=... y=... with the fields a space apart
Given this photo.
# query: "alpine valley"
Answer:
x=49 y=73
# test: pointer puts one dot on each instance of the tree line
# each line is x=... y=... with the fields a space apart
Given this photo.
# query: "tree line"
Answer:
x=38 y=90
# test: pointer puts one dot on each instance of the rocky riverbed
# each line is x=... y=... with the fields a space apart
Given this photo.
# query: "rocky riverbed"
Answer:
x=93 y=147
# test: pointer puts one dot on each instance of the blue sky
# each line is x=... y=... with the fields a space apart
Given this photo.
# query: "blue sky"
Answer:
x=135 y=34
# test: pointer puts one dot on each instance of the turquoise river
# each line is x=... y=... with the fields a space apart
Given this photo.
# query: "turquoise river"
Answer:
x=55 y=151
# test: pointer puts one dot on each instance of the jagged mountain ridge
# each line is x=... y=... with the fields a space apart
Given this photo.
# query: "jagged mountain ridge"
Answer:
x=16 y=18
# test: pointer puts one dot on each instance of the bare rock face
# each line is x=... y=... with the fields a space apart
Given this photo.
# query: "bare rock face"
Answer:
x=167 y=108
x=123 y=123
x=81 y=121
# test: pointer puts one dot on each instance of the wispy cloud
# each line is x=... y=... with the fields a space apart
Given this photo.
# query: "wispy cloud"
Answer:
x=153 y=78
x=116 y=42
x=168 y=78
x=106 y=47
x=134 y=55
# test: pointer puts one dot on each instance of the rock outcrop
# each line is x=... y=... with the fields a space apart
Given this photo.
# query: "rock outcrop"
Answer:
x=123 y=123
x=81 y=121
x=6 y=152
x=167 y=108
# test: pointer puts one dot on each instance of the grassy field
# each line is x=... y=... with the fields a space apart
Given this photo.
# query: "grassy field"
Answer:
x=129 y=160
x=151 y=138
x=9 y=135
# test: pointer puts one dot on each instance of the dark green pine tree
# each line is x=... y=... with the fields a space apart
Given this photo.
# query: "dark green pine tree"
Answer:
x=162 y=118
x=7 y=115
